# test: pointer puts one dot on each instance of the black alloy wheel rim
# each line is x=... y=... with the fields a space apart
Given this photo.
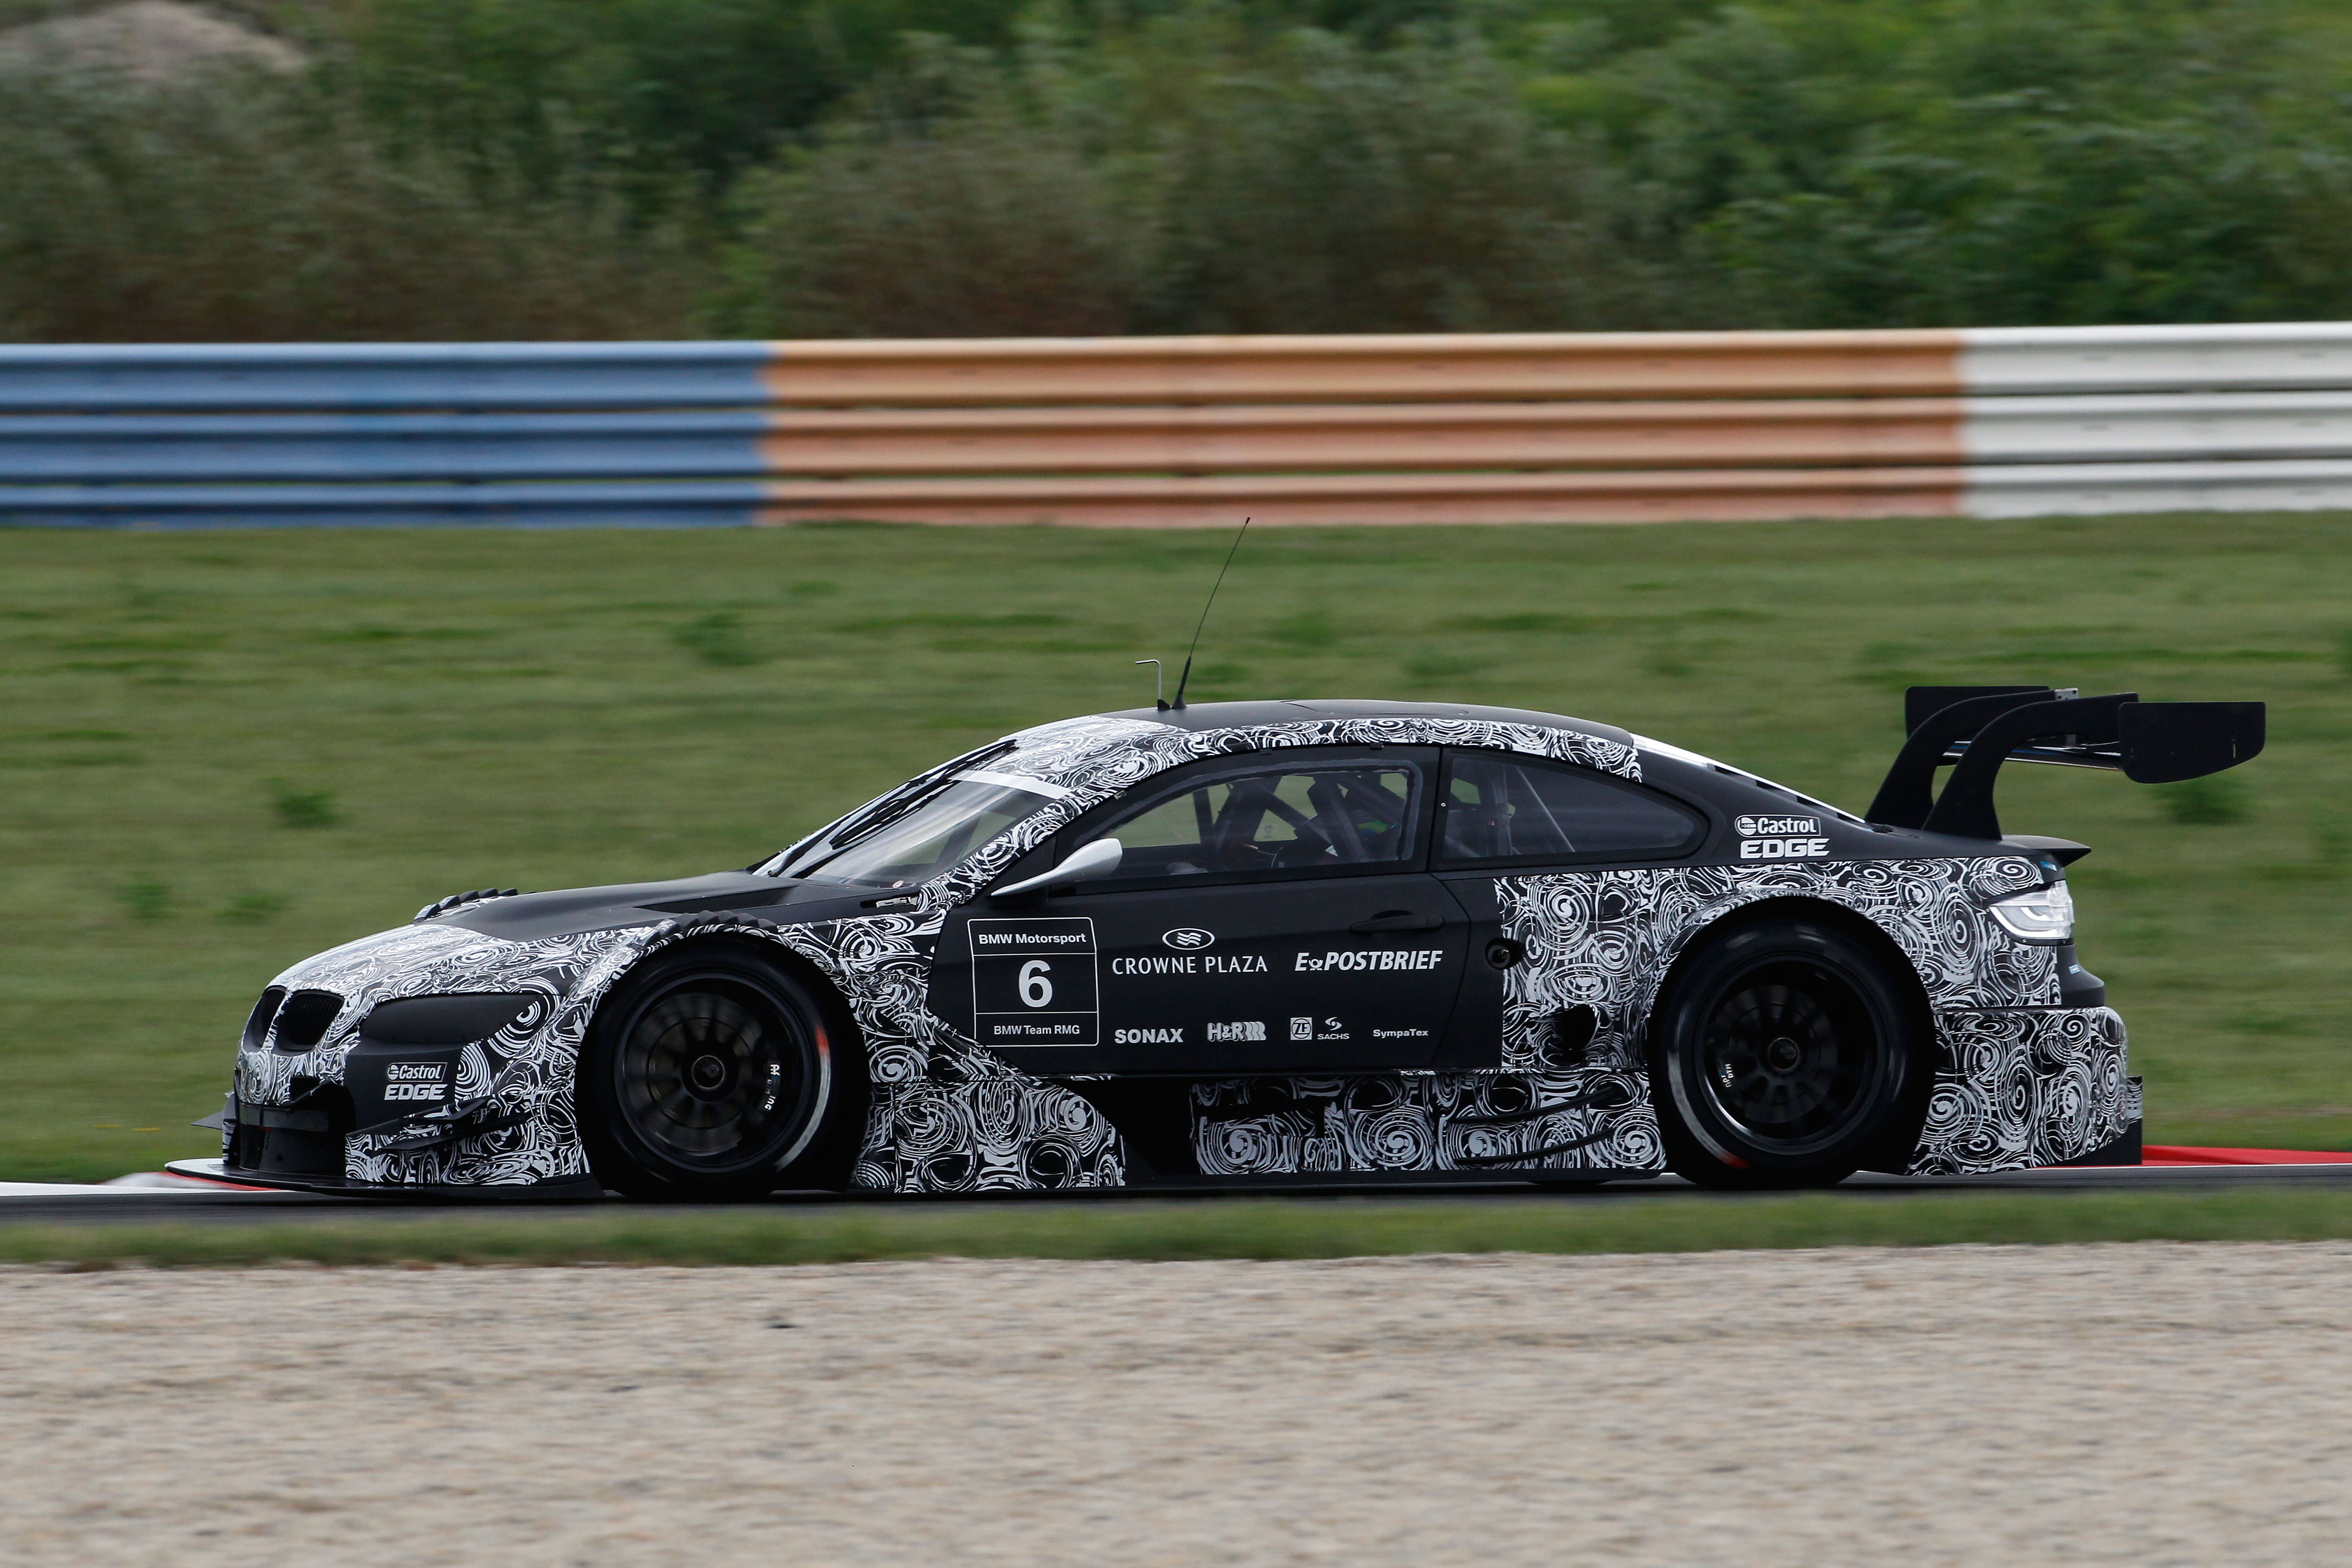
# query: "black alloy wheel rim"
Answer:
x=1791 y=1061
x=715 y=1074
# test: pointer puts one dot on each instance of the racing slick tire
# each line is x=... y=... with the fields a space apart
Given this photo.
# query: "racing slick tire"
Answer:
x=713 y=1073
x=1787 y=1053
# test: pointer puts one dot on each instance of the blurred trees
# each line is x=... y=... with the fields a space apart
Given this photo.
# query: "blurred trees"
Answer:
x=254 y=210
x=590 y=168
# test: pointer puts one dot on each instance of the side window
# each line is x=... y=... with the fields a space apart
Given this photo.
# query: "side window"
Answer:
x=1501 y=807
x=1294 y=818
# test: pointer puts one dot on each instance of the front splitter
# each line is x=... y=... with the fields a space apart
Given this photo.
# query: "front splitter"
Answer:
x=571 y=1189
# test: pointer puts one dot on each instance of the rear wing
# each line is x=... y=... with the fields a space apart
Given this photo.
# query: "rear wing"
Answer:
x=1976 y=729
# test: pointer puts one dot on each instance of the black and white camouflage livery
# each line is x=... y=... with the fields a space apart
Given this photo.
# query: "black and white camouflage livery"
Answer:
x=2031 y=1063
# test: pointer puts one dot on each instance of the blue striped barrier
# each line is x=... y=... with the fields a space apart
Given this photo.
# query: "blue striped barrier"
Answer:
x=47 y=449
x=203 y=378
x=323 y=434
x=677 y=505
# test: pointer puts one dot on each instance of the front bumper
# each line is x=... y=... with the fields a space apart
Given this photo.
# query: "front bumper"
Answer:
x=348 y=1114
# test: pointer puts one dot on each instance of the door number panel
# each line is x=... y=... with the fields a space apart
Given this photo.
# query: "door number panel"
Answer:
x=1033 y=983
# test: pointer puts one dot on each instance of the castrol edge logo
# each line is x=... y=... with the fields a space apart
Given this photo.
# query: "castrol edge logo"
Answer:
x=1776 y=827
x=1781 y=838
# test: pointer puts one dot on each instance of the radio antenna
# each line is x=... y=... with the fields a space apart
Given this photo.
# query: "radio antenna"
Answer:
x=1179 y=704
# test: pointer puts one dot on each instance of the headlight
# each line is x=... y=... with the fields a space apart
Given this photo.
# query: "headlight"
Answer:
x=2044 y=915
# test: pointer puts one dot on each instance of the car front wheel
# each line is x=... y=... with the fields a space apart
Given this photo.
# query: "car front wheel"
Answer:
x=713 y=1072
x=1787 y=1055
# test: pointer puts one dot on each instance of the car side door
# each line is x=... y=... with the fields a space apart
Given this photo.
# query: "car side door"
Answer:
x=1272 y=913
x=1502 y=813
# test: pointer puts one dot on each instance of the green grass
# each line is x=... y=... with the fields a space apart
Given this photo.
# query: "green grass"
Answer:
x=1260 y=1228
x=222 y=752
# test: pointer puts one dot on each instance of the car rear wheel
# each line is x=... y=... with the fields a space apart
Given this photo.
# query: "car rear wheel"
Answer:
x=1787 y=1055
x=715 y=1073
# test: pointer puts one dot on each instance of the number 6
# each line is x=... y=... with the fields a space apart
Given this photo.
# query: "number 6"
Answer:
x=1036 y=989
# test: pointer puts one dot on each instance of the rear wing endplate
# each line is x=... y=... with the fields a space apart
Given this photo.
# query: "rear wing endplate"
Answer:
x=1976 y=729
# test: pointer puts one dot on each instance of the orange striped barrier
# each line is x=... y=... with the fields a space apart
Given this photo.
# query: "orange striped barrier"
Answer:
x=1162 y=501
x=1225 y=438
x=1466 y=367
x=1141 y=432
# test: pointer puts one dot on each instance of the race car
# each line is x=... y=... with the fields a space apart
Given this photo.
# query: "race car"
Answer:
x=1253 y=943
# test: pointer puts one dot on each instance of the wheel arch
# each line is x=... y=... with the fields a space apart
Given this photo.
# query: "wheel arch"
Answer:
x=1895 y=1153
x=758 y=940
x=841 y=1041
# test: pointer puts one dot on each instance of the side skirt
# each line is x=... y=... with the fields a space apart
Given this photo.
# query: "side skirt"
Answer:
x=1345 y=1181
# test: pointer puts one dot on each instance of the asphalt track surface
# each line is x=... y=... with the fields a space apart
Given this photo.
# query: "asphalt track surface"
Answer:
x=219 y=1206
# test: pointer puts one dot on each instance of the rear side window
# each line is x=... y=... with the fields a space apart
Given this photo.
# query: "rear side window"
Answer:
x=1497 y=807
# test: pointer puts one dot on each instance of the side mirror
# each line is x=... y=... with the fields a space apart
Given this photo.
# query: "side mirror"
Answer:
x=1100 y=859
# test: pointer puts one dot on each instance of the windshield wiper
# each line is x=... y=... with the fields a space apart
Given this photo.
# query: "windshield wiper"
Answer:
x=867 y=820
x=882 y=814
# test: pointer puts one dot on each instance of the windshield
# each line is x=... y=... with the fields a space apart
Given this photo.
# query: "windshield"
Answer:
x=925 y=834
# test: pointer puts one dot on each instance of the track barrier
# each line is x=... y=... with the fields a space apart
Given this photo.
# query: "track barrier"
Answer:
x=1158 y=432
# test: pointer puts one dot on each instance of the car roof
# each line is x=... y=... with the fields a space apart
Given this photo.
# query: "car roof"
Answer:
x=1197 y=716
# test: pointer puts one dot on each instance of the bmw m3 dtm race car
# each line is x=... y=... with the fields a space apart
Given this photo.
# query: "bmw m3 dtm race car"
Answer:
x=1255 y=943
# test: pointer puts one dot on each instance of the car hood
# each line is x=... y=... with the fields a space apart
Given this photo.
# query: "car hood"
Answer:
x=532 y=916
